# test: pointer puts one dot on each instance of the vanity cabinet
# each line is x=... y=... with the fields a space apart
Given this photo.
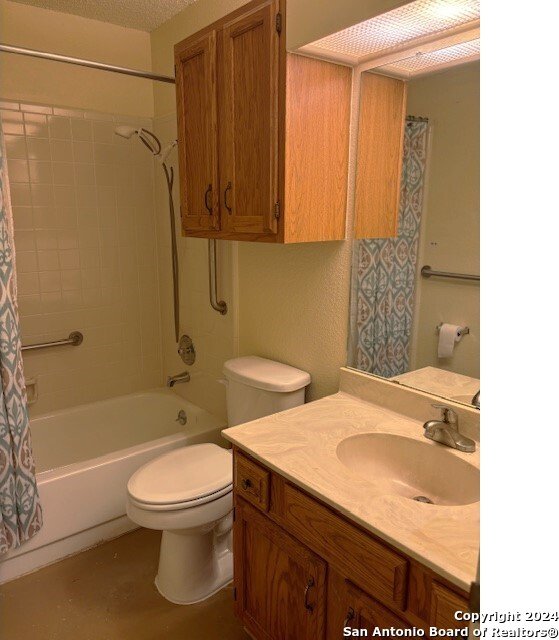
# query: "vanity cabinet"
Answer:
x=302 y=570
x=263 y=135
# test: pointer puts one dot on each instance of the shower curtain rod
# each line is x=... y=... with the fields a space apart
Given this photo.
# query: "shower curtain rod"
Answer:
x=8 y=48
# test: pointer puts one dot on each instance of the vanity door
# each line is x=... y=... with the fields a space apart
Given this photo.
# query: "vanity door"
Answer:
x=350 y=608
x=280 y=586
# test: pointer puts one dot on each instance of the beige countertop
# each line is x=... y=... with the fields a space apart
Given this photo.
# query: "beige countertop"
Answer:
x=301 y=443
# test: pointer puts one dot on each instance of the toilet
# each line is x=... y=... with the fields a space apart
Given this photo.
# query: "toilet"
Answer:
x=188 y=493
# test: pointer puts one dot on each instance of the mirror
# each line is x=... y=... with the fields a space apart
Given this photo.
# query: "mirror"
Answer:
x=411 y=319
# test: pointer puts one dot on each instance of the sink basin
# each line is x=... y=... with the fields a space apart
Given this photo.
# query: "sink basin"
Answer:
x=422 y=471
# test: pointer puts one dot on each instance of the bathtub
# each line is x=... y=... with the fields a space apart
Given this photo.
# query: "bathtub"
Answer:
x=84 y=457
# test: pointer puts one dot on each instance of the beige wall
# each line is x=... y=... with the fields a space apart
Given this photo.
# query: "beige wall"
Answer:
x=294 y=307
x=450 y=223
x=34 y=80
x=86 y=259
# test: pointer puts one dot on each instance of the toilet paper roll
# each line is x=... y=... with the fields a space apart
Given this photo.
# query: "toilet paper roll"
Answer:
x=449 y=335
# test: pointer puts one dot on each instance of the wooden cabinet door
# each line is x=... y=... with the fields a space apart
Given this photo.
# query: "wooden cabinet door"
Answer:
x=444 y=604
x=351 y=608
x=280 y=584
x=249 y=57
x=196 y=77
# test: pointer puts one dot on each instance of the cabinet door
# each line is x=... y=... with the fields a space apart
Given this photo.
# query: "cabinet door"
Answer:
x=196 y=75
x=444 y=605
x=249 y=122
x=351 y=608
x=280 y=584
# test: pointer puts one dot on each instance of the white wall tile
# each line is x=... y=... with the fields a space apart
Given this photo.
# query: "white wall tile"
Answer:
x=86 y=255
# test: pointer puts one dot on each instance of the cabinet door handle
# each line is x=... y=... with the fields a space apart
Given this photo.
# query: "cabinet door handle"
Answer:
x=349 y=617
x=206 y=195
x=246 y=484
x=310 y=584
x=227 y=189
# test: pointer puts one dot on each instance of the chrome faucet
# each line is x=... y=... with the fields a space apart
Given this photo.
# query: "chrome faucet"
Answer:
x=180 y=377
x=475 y=400
x=445 y=431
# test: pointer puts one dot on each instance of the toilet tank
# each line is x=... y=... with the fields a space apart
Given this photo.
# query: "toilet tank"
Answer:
x=257 y=387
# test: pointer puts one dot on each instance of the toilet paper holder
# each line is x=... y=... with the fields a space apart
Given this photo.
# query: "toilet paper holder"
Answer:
x=465 y=330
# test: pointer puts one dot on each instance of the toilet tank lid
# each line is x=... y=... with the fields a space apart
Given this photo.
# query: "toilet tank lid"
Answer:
x=262 y=373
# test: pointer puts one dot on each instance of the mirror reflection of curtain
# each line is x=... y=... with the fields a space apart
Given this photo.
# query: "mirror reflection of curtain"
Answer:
x=20 y=511
x=384 y=272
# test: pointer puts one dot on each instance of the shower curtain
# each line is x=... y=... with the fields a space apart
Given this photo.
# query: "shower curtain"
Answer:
x=20 y=511
x=384 y=273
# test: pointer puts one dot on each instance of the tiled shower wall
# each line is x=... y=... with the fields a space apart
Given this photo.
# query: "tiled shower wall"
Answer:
x=86 y=255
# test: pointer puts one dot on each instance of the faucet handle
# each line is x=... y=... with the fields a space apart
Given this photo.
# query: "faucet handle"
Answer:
x=448 y=415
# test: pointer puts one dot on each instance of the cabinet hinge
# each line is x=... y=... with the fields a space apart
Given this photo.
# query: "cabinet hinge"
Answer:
x=234 y=593
x=278 y=22
x=277 y=210
x=234 y=513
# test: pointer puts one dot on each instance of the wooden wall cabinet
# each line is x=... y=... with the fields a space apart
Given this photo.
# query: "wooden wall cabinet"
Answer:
x=303 y=571
x=382 y=117
x=263 y=135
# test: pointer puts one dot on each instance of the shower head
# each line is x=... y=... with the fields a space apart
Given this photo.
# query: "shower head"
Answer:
x=147 y=138
x=125 y=131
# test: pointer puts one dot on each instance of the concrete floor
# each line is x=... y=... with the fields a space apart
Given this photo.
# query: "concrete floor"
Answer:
x=107 y=593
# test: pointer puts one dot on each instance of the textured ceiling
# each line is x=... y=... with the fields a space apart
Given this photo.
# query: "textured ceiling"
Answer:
x=137 y=14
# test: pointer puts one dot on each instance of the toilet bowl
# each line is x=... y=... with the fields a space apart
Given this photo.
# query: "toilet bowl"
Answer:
x=188 y=494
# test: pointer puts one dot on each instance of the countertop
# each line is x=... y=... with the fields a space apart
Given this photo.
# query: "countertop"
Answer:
x=300 y=444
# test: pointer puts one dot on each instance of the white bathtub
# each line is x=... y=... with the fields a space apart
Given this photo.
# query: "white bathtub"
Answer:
x=84 y=457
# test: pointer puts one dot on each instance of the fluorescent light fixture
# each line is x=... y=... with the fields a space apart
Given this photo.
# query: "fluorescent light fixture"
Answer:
x=420 y=64
x=412 y=21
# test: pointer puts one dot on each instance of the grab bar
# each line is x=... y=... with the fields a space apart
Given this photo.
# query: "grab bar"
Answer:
x=74 y=339
x=427 y=272
x=219 y=305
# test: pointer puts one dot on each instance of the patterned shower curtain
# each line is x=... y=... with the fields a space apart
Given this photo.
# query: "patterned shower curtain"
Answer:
x=385 y=272
x=20 y=511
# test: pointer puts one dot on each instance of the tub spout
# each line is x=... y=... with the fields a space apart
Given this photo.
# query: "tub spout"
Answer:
x=180 y=377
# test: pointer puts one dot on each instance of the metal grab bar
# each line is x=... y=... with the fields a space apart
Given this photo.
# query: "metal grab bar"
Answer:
x=219 y=305
x=102 y=66
x=427 y=272
x=74 y=339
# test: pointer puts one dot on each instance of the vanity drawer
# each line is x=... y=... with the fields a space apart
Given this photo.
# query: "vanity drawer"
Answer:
x=374 y=567
x=444 y=604
x=251 y=482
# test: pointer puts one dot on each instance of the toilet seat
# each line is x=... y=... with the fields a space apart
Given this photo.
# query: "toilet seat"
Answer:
x=188 y=504
x=181 y=479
